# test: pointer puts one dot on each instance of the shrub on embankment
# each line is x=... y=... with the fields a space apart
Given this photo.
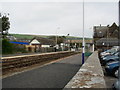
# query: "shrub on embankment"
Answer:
x=7 y=47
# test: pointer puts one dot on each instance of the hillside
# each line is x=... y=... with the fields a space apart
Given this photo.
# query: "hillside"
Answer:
x=27 y=36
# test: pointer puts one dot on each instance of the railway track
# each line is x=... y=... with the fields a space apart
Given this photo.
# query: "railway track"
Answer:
x=11 y=63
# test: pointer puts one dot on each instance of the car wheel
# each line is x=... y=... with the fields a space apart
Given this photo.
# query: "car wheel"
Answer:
x=115 y=73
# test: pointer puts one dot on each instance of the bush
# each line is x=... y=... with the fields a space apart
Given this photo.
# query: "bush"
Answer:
x=7 y=47
x=19 y=48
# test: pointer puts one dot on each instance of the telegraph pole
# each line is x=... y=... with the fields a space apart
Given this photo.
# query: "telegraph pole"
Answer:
x=56 y=35
x=83 y=43
x=119 y=46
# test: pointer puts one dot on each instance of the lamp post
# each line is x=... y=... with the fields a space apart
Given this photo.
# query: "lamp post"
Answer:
x=0 y=25
x=119 y=48
x=57 y=39
x=107 y=37
x=68 y=42
x=57 y=36
x=1 y=45
x=83 y=43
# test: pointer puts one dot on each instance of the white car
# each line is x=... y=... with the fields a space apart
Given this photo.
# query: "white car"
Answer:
x=108 y=52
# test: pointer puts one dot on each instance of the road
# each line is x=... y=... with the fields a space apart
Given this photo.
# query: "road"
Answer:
x=55 y=75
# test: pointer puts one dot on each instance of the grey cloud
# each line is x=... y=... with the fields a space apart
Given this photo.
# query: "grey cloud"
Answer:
x=44 y=18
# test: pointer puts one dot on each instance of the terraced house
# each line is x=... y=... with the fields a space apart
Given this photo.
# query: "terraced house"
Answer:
x=37 y=43
x=105 y=36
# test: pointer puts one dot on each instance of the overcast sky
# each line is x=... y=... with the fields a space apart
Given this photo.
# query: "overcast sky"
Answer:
x=61 y=18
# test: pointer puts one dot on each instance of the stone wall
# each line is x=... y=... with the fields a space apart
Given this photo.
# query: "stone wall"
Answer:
x=90 y=75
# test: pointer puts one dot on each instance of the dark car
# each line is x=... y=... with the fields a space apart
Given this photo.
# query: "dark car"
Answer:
x=112 y=68
x=111 y=58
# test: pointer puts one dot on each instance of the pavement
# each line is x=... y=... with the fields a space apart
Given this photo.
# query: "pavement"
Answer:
x=55 y=75
x=19 y=54
x=90 y=74
x=109 y=79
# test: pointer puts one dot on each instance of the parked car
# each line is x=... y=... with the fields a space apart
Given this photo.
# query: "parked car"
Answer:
x=116 y=85
x=109 y=51
x=112 y=68
x=110 y=59
x=105 y=53
x=111 y=54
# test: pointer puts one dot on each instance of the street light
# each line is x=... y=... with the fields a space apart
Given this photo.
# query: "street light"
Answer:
x=119 y=48
x=57 y=39
x=56 y=35
x=83 y=43
x=68 y=44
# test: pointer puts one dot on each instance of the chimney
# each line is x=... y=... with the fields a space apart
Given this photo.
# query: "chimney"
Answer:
x=108 y=25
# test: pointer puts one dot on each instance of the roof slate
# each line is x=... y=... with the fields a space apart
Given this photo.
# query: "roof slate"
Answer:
x=100 y=31
x=107 y=41
x=44 y=41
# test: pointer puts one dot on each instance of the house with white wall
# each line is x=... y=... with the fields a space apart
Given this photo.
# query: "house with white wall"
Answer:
x=42 y=42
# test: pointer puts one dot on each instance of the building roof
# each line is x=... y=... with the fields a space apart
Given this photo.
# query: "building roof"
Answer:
x=113 y=27
x=73 y=38
x=113 y=30
x=23 y=40
x=23 y=43
x=100 y=31
x=104 y=31
x=44 y=41
x=10 y=37
x=107 y=42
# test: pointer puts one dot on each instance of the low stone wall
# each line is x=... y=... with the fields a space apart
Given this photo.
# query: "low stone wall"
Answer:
x=10 y=63
x=90 y=75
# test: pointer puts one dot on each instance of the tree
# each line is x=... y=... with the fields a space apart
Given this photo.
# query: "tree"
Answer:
x=60 y=39
x=5 y=25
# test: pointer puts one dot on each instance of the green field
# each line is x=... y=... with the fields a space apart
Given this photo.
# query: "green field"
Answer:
x=27 y=36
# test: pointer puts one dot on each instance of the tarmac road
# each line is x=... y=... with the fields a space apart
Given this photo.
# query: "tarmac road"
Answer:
x=55 y=75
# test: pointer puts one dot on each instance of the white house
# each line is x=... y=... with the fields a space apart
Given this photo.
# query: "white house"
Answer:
x=42 y=42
